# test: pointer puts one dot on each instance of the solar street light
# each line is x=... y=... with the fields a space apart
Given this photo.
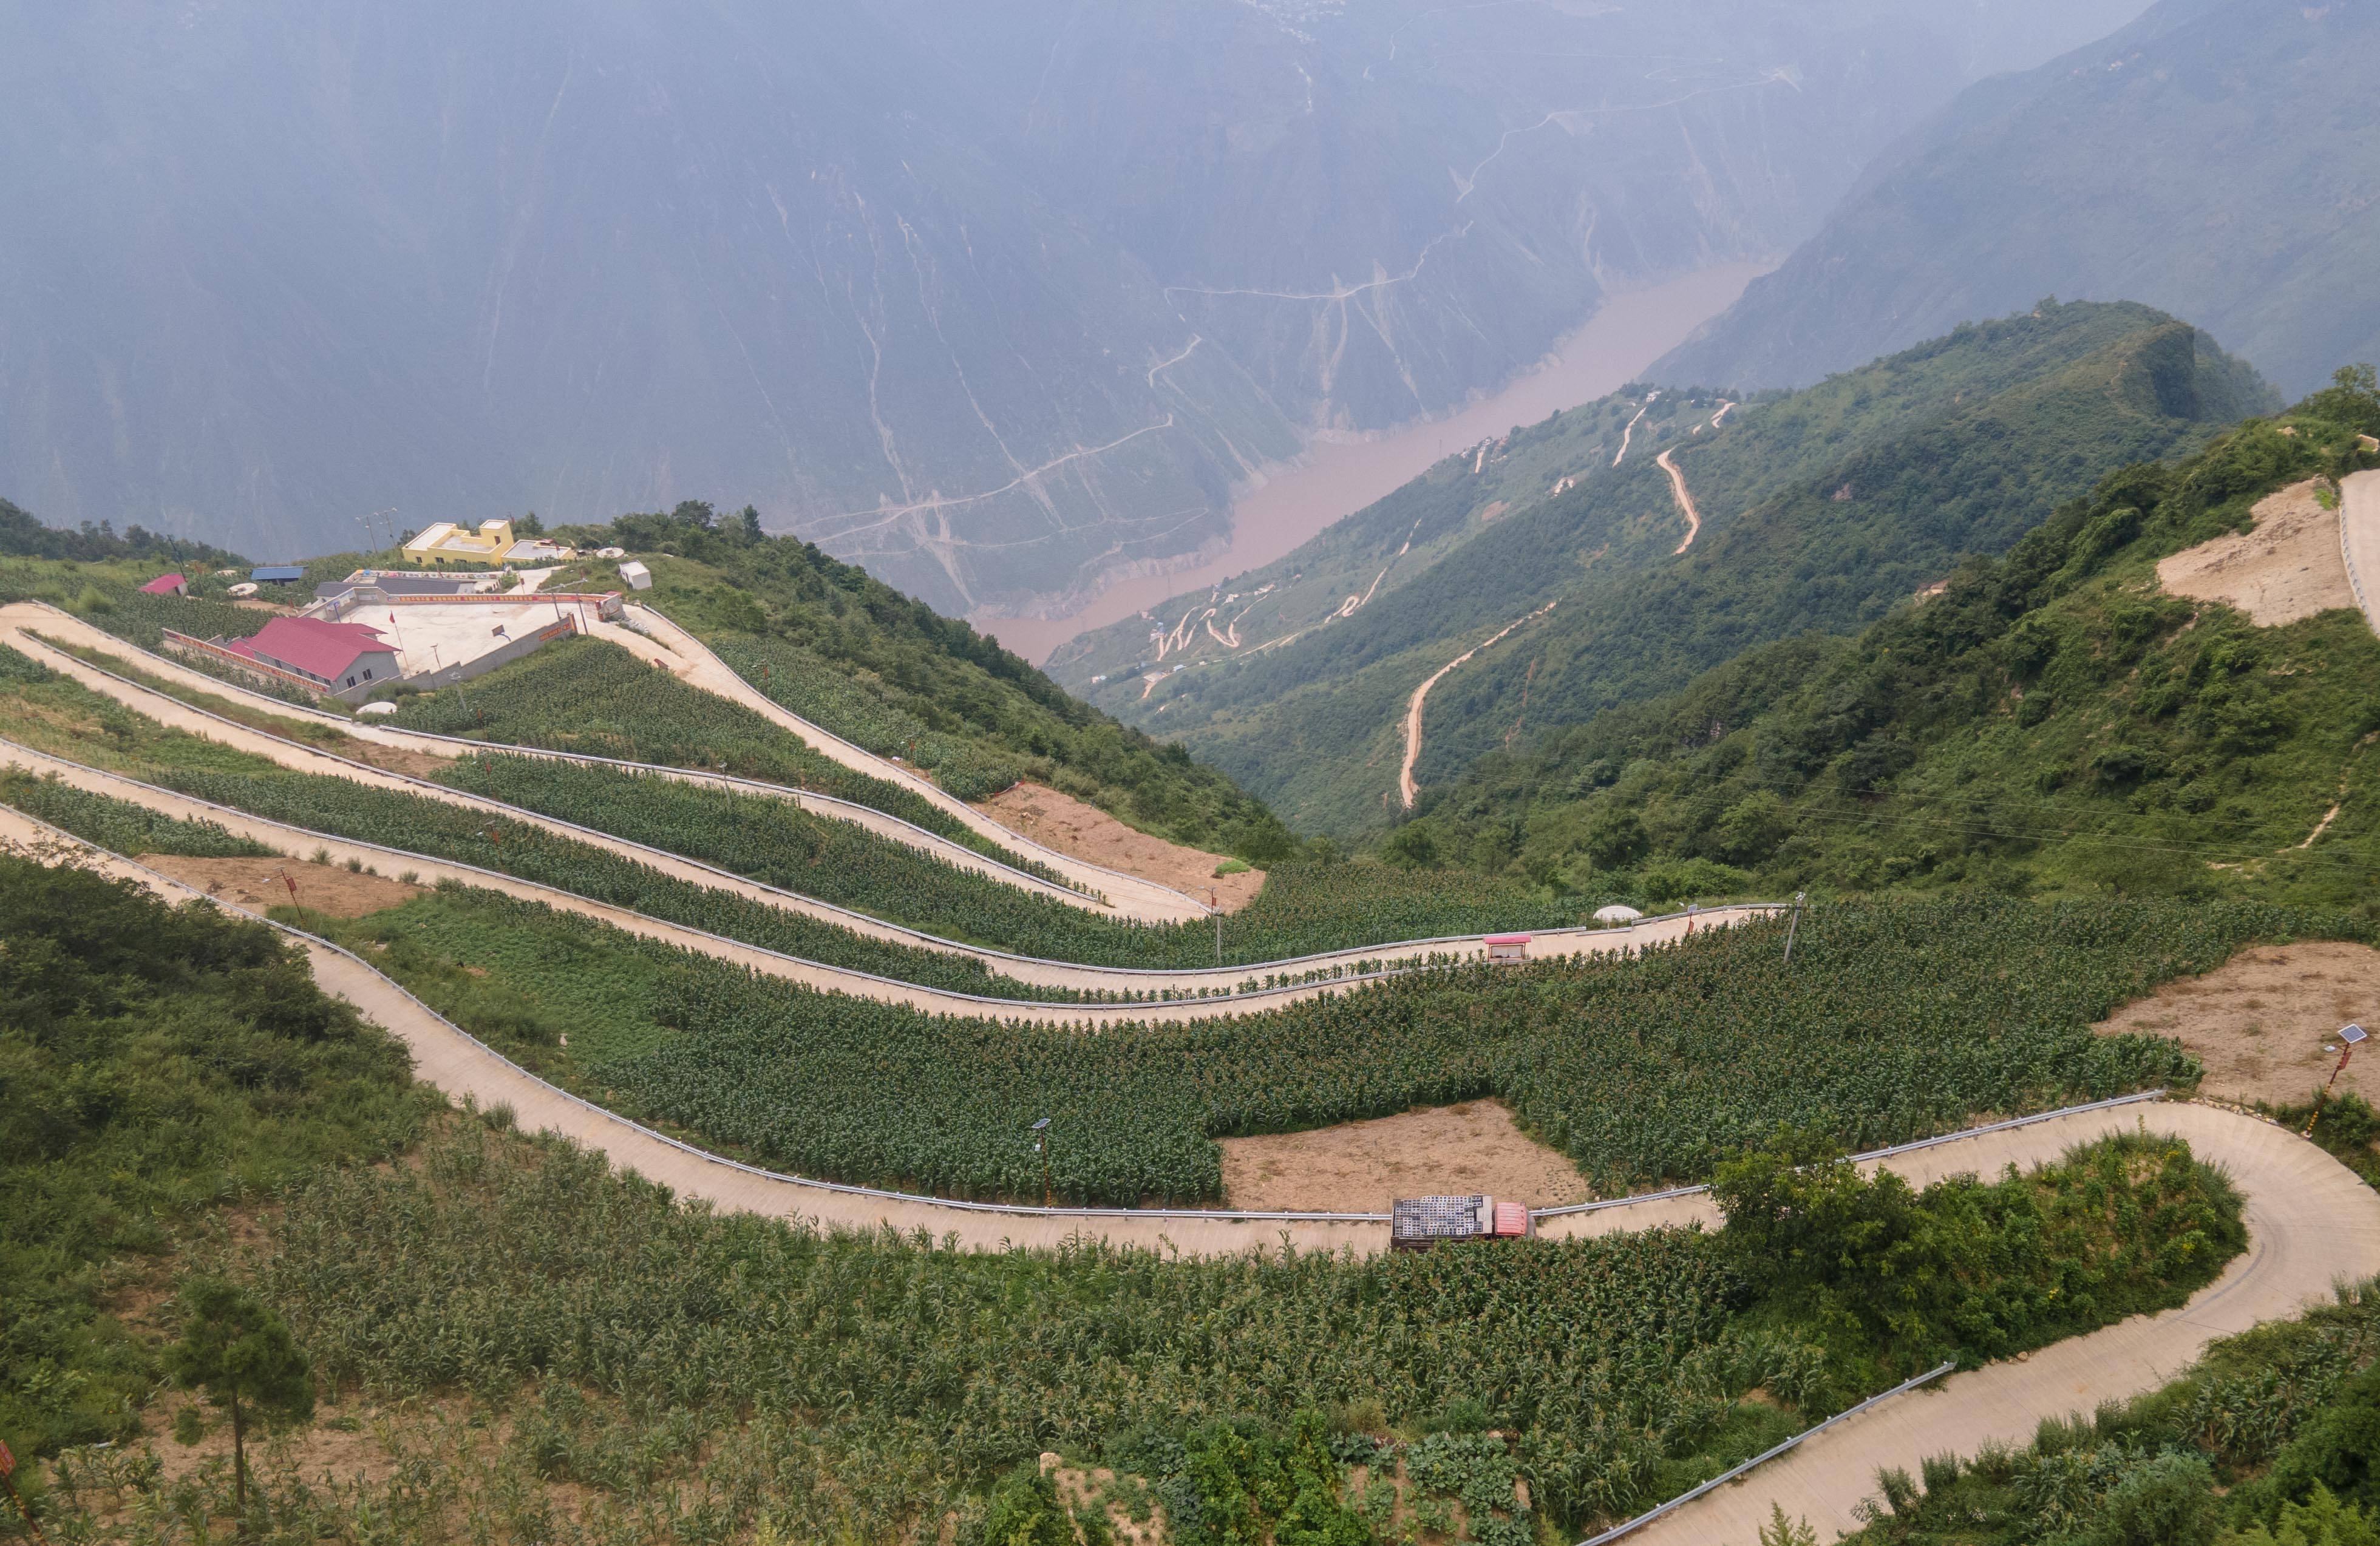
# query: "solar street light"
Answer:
x=2351 y=1036
x=1041 y=1141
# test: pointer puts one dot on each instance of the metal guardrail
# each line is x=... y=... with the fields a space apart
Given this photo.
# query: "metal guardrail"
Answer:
x=1050 y=1010
x=1959 y=1137
x=926 y=841
x=924 y=789
x=866 y=923
x=1765 y=1456
x=2347 y=556
x=1015 y=1209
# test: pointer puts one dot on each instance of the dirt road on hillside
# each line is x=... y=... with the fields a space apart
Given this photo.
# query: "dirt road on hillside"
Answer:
x=2288 y=565
x=1685 y=501
x=1407 y=790
x=691 y=660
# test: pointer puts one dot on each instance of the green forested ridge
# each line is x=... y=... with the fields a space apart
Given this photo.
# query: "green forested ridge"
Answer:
x=2053 y=720
x=153 y=1063
x=1376 y=551
x=21 y=535
x=1821 y=509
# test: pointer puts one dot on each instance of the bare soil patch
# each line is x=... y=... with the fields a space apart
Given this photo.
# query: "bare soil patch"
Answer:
x=2286 y=567
x=330 y=888
x=1088 y=1486
x=1363 y=1167
x=1085 y=831
x=2260 y=1020
x=391 y=759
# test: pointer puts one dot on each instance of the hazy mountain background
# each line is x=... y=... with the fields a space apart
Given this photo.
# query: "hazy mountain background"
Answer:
x=989 y=299
x=2217 y=158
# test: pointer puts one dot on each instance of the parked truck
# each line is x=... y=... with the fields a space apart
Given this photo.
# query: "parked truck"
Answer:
x=1419 y=1223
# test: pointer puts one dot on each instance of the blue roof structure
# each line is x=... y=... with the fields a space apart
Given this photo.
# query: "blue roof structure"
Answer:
x=278 y=575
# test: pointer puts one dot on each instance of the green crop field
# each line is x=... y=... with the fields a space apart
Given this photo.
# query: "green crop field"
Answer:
x=1304 y=908
x=589 y=696
x=53 y=714
x=828 y=696
x=420 y=824
x=771 y=1359
x=686 y=1375
x=118 y=825
x=1893 y=1022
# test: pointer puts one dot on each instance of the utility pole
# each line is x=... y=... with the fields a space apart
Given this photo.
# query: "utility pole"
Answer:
x=1218 y=924
x=7 y=1480
x=1795 y=927
x=1041 y=1142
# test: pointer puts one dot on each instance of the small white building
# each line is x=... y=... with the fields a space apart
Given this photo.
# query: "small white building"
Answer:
x=636 y=574
x=1616 y=913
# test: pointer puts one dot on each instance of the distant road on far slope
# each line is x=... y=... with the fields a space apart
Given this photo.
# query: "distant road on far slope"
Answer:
x=1338 y=477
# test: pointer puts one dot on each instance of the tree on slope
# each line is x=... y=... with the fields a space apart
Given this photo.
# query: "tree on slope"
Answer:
x=236 y=1349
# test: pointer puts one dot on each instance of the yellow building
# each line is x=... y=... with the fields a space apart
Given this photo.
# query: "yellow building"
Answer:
x=445 y=542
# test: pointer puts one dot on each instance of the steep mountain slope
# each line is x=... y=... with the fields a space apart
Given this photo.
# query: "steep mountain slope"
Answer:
x=993 y=299
x=1819 y=510
x=2217 y=158
x=2056 y=720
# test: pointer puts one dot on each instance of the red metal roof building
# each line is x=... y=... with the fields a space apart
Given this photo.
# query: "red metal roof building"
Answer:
x=166 y=584
x=343 y=657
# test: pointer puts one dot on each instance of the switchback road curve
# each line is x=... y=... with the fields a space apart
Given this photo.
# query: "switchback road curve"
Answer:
x=2312 y=1225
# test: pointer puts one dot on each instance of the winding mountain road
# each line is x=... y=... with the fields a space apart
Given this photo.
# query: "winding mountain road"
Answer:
x=26 y=627
x=1231 y=990
x=1226 y=988
x=29 y=628
x=2311 y=1223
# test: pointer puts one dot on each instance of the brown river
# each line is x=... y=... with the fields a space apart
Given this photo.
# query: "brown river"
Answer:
x=1340 y=474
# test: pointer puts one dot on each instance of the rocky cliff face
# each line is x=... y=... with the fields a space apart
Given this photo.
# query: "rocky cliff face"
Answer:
x=992 y=299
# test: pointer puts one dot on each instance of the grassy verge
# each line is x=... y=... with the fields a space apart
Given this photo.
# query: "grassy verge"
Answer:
x=153 y=1063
